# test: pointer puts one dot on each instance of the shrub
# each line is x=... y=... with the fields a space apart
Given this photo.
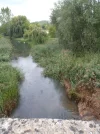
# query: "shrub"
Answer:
x=37 y=34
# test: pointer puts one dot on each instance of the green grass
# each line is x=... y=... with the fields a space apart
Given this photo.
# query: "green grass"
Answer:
x=62 y=64
x=9 y=78
x=5 y=49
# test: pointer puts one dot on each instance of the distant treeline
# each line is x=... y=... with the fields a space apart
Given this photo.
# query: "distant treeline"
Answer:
x=19 y=27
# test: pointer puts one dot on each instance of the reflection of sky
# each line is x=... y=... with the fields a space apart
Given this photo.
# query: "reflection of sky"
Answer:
x=41 y=97
x=65 y=102
x=35 y=10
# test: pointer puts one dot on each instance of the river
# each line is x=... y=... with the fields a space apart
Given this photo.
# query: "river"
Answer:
x=40 y=97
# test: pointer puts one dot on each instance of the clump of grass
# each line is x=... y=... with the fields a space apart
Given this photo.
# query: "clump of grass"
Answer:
x=9 y=78
x=62 y=64
x=8 y=88
x=5 y=49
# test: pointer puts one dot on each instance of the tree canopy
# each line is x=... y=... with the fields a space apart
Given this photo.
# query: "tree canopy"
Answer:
x=78 y=24
x=5 y=18
x=5 y=15
x=36 y=33
x=18 y=25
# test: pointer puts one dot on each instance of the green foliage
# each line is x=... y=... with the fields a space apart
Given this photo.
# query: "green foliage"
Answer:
x=5 y=15
x=63 y=64
x=44 y=24
x=36 y=34
x=5 y=49
x=18 y=25
x=5 y=18
x=77 y=23
x=52 y=31
x=9 y=78
x=4 y=29
x=8 y=88
x=13 y=27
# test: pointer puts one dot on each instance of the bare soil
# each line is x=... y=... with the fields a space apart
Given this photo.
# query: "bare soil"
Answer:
x=89 y=100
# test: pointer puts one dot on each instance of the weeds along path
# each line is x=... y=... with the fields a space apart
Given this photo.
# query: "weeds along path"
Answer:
x=9 y=77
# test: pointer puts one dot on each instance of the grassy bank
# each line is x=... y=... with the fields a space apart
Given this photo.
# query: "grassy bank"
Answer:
x=9 y=78
x=62 y=64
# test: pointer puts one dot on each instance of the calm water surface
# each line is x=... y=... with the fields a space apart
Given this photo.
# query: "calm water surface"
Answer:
x=41 y=97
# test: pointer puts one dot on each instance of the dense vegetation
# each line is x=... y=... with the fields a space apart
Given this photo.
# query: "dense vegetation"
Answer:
x=61 y=64
x=35 y=34
x=5 y=18
x=75 y=57
x=78 y=24
x=9 y=78
x=18 y=25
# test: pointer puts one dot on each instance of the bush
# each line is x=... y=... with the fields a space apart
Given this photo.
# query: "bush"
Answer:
x=52 y=31
x=36 y=34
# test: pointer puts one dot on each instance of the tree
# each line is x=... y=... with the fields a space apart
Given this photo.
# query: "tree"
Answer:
x=78 y=24
x=5 y=18
x=36 y=34
x=5 y=15
x=18 y=25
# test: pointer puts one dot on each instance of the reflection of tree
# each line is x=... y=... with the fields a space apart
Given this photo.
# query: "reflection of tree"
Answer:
x=21 y=49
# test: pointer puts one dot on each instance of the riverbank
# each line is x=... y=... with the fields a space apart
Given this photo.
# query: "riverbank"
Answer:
x=9 y=78
x=82 y=74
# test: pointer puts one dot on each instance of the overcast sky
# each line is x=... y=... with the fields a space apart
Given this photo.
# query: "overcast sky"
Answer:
x=35 y=10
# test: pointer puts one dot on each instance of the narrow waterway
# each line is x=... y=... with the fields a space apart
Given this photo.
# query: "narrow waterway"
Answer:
x=41 y=97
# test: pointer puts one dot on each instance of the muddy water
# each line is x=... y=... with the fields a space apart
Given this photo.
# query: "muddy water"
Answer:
x=40 y=97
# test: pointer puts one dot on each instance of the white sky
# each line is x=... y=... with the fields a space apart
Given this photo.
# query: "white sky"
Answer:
x=34 y=10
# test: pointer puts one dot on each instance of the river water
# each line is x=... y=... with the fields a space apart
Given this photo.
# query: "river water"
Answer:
x=41 y=97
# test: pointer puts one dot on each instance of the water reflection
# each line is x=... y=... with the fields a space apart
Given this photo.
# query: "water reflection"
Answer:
x=20 y=49
x=41 y=97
